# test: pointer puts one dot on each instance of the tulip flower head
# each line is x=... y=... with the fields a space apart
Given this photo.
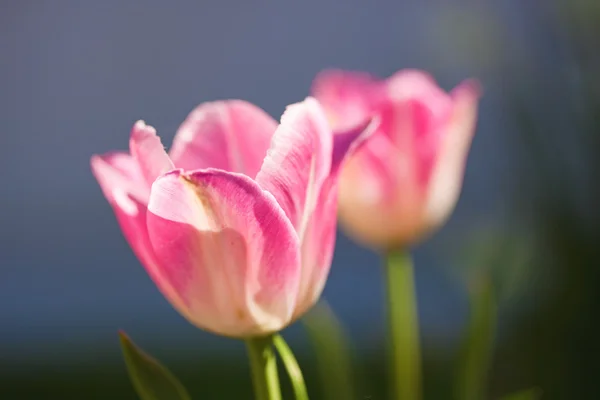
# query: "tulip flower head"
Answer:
x=236 y=225
x=406 y=180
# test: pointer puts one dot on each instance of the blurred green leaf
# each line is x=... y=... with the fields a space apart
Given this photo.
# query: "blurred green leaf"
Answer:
x=505 y=254
x=150 y=379
x=332 y=350
x=529 y=394
x=479 y=342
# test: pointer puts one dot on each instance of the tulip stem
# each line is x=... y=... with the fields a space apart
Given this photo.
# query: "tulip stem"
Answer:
x=263 y=364
x=403 y=326
x=291 y=365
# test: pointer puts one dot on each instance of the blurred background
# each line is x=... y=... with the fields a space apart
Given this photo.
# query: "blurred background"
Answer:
x=75 y=76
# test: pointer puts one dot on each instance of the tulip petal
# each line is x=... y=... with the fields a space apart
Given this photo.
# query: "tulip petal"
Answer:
x=124 y=187
x=447 y=174
x=348 y=97
x=146 y=148
x=411 y=83
x=231 y=135
x=319 y=239
x=318 y=247
x=422 y=111
x=227 y=248
x=350 y=141
x=298 y=161
x=120 y=177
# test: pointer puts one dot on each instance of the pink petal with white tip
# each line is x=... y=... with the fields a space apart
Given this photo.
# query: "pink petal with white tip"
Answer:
x=298 y=161
x=146 y=148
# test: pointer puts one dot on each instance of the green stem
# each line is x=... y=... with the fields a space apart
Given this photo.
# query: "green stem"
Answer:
x=263 y=364
x=479 y=342
x=292 y=368
x=404 y=327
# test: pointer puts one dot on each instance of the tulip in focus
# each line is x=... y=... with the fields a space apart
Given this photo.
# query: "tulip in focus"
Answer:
x=236 y=225
x=406 y=180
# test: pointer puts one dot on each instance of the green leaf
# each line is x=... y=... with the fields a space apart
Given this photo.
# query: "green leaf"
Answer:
x=150 y=379
x=529 y=394
x=333 y=353
x=478 y=346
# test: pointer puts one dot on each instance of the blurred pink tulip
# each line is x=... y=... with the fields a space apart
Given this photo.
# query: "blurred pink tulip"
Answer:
x=238 y=239
x=406 y=180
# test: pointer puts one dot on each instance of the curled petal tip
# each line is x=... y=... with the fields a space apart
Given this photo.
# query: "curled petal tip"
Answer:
x=310 y=109
x=140 y=127
x=471 y=87
x=94 y=159
x=312 y=101
x=143 y=132
x=294 y=110
x=146 y=147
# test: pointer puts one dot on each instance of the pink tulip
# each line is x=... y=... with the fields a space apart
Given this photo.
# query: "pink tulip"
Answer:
x=238 y=239
x=406 y=180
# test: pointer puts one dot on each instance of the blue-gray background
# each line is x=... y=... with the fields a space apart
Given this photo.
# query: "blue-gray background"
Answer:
x=75 y=76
